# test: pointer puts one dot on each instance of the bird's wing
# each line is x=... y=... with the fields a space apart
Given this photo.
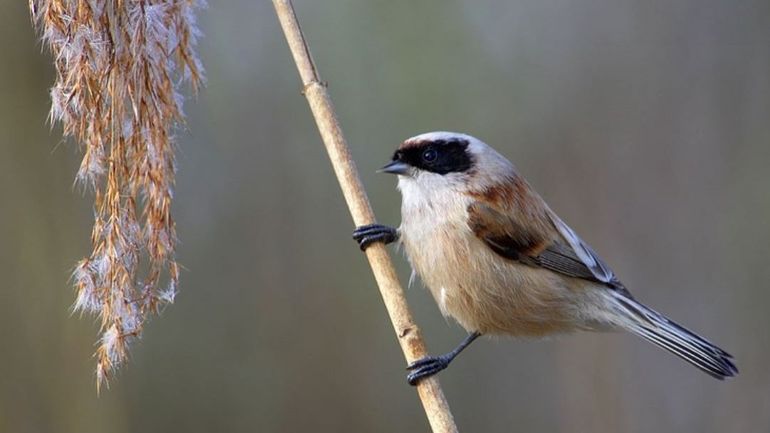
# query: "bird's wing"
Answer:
x=551 y=245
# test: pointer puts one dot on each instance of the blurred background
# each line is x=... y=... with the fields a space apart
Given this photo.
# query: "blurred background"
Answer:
x=643 y=123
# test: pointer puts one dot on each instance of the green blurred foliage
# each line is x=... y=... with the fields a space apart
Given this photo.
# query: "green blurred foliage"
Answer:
x=643 y=123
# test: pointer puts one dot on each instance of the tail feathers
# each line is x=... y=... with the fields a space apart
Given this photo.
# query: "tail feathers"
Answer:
x=666 y=334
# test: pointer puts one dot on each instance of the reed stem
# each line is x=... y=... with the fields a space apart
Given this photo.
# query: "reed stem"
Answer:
x=409 y=337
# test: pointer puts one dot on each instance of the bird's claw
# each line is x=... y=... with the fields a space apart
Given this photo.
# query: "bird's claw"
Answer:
x=426 y=367
x=371 y=233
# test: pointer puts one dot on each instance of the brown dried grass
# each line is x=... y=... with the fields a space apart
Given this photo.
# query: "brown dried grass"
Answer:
x=119 y=65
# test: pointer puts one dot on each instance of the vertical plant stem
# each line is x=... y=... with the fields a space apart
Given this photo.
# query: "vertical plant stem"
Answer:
x=409 y=337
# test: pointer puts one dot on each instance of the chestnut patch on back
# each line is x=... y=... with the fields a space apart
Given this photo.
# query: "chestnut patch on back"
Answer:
x=505 y=236
x=509 y=219
x=509 y=194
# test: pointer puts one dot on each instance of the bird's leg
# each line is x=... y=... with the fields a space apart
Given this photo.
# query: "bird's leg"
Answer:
x=368 y=234
x=431 y=365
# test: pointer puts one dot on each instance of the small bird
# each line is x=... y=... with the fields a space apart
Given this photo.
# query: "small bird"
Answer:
x=499 y=261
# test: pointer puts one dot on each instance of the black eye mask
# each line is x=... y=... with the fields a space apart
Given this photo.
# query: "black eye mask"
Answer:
x=437 y=156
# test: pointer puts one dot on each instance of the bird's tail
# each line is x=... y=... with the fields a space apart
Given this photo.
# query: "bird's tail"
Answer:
x=664 y=333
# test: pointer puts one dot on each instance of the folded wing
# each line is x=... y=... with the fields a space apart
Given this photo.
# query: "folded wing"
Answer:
x=543 y=241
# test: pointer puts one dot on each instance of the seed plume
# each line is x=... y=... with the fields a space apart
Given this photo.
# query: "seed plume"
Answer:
x=119 y=68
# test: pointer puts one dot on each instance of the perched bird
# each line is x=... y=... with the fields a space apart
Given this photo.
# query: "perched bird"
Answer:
x=499 y=261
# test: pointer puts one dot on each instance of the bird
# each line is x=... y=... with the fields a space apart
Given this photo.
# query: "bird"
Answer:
x=499 y=261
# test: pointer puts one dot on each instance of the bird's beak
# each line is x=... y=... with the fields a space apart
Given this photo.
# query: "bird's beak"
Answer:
x=396 y=167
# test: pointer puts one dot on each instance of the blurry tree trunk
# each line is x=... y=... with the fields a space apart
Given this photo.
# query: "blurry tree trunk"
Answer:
x=429 y=390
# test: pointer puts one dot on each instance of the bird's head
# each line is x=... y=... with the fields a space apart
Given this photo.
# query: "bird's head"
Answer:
x=437 y=161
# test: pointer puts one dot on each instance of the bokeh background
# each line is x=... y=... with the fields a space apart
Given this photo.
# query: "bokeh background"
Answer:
x=643 y=123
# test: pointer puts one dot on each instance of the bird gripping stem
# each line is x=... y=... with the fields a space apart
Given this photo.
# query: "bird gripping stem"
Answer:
x=432 y=397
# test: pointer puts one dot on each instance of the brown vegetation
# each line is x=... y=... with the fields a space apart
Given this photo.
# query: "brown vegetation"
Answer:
x=118 y=70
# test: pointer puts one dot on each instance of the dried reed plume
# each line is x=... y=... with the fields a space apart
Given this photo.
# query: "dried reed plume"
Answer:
x=119 y=65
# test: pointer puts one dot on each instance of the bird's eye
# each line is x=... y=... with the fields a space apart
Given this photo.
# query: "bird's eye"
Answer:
x=429 y=155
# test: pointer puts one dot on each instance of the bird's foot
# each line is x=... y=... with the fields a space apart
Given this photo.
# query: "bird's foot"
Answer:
x=426 y=367
x=368 y=234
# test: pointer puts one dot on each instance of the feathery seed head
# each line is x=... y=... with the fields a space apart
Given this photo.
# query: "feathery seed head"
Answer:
x=119 y=66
